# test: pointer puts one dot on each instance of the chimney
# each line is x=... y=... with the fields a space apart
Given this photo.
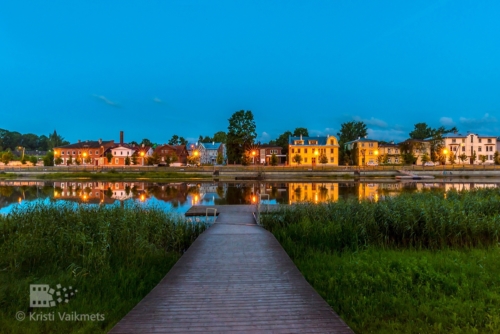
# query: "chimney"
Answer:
x=121 y=137
x=100 y=141
x=301 y=136
x=142 y=145
x=79 y=141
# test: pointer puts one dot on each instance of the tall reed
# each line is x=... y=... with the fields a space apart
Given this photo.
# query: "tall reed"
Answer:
x=421 y=220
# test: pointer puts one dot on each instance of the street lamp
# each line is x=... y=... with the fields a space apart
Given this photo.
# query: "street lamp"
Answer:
x=253 y=154
x=142 y=156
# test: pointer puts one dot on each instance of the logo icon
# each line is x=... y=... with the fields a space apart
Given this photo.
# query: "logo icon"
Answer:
x=42 y=295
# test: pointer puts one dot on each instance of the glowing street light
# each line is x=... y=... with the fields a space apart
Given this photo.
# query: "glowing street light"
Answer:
x=142 y=156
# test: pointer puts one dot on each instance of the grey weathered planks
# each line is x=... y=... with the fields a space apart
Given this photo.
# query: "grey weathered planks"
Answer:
x=235 y=277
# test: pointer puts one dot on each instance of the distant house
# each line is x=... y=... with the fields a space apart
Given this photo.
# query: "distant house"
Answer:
x=471 y=145
x=417 y=147
x=169 y=151
x=390 y=152
x=312 y=149
x=365 y=151
x=208 y=152
x=88 y=152
x=265 y=152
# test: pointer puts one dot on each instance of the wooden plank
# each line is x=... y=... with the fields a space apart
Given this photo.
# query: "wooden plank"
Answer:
x=235 y=277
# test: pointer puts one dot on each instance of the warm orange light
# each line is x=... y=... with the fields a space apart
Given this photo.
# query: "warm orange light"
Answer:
x=195 y=153
x=445 y=151
x=253 y=153
x=196 y=198
x=143 y=198
x=84 y=197
x=316 y=152
x=84 y=154
x=254 y=199
x=20 y=200
x=376 y=152
x=142 y=154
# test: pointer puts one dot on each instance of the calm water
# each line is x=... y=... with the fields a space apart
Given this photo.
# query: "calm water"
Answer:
x=180 y=196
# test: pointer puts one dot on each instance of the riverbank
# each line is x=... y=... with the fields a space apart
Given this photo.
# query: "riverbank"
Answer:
x=419 y=263
x=111 y=257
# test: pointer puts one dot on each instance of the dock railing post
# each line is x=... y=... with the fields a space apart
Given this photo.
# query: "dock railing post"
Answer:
x=206 y=214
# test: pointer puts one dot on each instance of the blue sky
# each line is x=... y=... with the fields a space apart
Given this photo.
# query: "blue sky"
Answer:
x=156 y=68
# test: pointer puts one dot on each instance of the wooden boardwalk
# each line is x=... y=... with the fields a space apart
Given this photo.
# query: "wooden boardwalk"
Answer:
x=235 y=278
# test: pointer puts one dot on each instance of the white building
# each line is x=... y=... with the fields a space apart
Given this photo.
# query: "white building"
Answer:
x=469 y=144
x=208 y=152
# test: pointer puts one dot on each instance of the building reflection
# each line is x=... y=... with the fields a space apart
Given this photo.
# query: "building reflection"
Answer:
x=312 y=192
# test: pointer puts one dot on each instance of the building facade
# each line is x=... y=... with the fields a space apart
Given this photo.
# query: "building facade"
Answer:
x=208 y=152
x=389 y=153
x=83 y=153
x=364 y=151
x=313 y=151
x=470 y=147
x=166 y=152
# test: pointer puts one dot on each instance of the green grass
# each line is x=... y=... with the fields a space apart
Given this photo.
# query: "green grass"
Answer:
x=117 y=175
x=417 y=263
x=4 y=175
x=114 y=256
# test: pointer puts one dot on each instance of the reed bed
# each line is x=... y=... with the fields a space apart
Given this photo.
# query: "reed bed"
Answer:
x=420 y=220
x=114 y=255
x=416 y=263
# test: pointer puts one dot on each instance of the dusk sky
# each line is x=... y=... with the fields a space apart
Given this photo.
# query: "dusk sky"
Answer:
x=156 y=68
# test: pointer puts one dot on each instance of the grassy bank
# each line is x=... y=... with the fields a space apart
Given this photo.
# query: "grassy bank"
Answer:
x=113 y=256
x=416 y=263
x=118 y=175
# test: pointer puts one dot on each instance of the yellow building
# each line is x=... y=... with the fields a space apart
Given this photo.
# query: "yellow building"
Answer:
x=390 y=153
x=313 y=151
x=418 y=148
x=313 y=192
x=364 y=151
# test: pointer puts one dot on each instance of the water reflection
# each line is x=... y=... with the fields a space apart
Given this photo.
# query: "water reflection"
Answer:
x=180 y=196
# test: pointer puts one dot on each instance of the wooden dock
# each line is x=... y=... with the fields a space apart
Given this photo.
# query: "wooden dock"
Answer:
x=235 y=278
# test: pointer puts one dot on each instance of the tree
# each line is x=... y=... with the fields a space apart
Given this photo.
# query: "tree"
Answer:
x=241 y=134
x=496 y=158
x=351 y=131
x=78 y=161
x=182 y=141
x=127 y=161
x=205 y=139
x=297 y=158
x=134 y=158
x=463 y=157
x=348 y=132
x=425 y=158
x=220 y=158
x=300 y=132
x=109 y=156
x=473 y=157
x=48 y=160
x=146 y=142
x=220 y=137
x=33 y=160
x=282 y=141
x=24 y=159
x=87 y=160
x=154 y=159
x=323 y=159
x=55 y=140
x=274 y=160
x=245 y=160
x=452 y=158
x=7 y=157
x=29 y=141
x=70 y=160
x=193 y=160
x=174 y=140
x=58 y=161
x=421 y=131
x=483 y=158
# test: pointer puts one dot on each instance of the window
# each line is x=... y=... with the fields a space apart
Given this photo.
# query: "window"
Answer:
x=62 y=152
x=463 y=148
x=489 y=141
x=96 y=152
x=370 y=152
x=332 y=160
x=471 y=139
x=396 y=160
x=331 y=141
x=298 y=150
x=370 y=144
x=453 y=140
x=305 y=150
x=121 y=152
x=491 y=157
x=389 y=160
x=74 y=152
x=305 y=159
x=331 y=150
x=299 y=142
x=116 y=160
x=479 y=140
x=362 y=144
x=480 y=149
x=396 y=151
x=313 y=142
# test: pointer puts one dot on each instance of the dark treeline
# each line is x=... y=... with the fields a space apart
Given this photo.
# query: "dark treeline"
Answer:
x=12 y=140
